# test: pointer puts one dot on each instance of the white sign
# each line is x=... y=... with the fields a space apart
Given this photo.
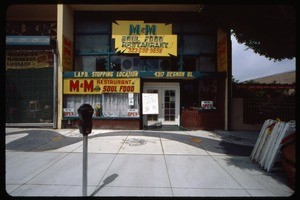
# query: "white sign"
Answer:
x=68 y=112
x=150 y=103
x=207 y=104
x=130 y=99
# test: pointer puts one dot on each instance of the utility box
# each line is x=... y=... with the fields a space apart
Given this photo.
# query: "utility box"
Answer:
x=85 y=112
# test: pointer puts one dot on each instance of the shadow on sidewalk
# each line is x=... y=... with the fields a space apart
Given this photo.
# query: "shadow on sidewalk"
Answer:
x=107 y=181
x=45 y=139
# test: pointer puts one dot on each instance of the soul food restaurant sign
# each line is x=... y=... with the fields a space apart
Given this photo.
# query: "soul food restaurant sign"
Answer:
x=101 y=85
x=145 y=39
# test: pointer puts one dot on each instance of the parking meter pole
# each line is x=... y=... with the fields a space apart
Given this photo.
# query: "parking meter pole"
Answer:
x=85 y=112
x=84 y=166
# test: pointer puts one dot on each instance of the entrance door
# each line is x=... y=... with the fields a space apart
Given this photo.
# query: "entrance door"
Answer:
x=168 y=103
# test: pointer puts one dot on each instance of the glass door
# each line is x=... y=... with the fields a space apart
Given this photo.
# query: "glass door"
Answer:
x=168 y=103
x=169 y=106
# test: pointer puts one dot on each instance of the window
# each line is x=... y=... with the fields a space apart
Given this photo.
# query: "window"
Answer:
x=189 y=95
x=198 y=44
x=92 y=43
x=117 y=105
x=208 y=92
x=112 y=105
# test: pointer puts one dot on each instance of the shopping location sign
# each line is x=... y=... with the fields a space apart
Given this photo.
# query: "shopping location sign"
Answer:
x=145 y=39
x=100 y=86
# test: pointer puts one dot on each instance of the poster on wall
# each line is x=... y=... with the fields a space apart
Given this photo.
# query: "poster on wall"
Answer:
x=150 y=103
x=222 y=50
x=145 y=39
x=67 y=60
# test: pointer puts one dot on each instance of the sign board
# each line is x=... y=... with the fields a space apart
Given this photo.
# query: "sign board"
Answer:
x=133 y=113
x=145 y=39
x=100 y=86
x=28 y=59
x=207 y=104
x=137 y=74
x=150 y=103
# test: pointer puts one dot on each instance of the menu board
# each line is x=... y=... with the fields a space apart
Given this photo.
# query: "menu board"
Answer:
x=150 y=103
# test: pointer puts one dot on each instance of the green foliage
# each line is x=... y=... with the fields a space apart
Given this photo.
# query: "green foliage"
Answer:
x=269 y=30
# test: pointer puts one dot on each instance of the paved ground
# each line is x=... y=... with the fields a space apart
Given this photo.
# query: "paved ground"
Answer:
x=48 y=162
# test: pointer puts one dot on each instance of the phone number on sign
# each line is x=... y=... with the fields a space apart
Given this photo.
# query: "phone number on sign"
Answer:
x=144 y=50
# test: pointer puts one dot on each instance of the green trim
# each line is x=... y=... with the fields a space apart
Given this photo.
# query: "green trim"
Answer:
x=143 y=74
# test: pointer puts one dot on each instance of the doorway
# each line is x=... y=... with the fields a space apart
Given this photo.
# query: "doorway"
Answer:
x=168 y=104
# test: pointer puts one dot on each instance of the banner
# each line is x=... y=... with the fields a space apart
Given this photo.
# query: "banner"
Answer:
x=145 y=39
x=222 y=50
x=100 y=86
x=67 y=59
x=28 y=59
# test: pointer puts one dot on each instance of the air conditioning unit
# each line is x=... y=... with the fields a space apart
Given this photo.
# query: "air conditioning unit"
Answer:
x=127 y=64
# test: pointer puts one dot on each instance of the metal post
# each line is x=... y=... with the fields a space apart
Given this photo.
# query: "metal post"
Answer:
x=84 y=166
x=54 y=89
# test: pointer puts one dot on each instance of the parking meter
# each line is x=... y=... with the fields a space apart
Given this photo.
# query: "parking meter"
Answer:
x=85 y=112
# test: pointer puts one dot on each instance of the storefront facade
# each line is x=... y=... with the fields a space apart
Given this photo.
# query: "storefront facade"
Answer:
x=140 y=67
x=29 y=69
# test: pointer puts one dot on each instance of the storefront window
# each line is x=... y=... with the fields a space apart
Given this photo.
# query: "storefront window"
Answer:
x=119 y=105
x=90 y=23
x=92 y=43
x=126 y=63
x=190 y=97
x=29 y=71
x=190 y=63
x=208 y=93
x=206 y=63
x=73 y=102
x=111 y=105
x=198 y=44
x=196 y=27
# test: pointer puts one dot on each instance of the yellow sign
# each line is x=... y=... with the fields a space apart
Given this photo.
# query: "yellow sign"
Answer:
x=222 y=50
x=28 y=59
x=145 y=39
x=100 y=86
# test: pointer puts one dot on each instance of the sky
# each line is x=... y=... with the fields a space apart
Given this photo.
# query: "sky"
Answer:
x=247 y=65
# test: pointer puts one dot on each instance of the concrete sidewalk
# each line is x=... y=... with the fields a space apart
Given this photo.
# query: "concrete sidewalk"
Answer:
x=48 y=162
